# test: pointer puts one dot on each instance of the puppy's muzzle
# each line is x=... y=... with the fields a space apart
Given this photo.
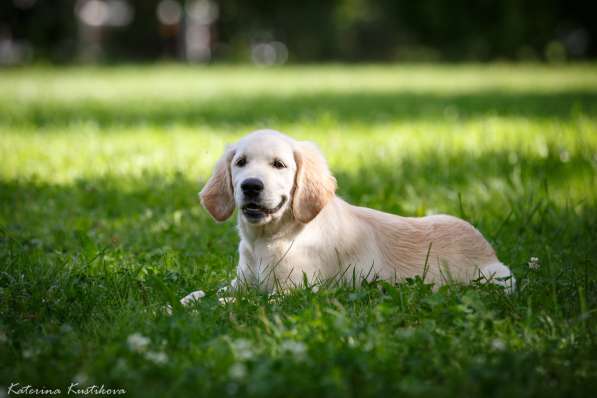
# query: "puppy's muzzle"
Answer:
x=252 y=188
x=254 y=212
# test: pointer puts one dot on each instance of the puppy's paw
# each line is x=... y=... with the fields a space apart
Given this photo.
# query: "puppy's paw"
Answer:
x=195 y=296
x=500 y=275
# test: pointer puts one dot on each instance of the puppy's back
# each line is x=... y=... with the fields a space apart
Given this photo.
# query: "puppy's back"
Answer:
x=447 y=247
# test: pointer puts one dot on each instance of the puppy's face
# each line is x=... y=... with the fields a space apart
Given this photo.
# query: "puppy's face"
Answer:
x=265 y=175
x=262 y=173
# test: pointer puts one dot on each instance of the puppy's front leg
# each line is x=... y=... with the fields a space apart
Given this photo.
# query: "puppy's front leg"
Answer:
x=247 y=273
x=245 y=276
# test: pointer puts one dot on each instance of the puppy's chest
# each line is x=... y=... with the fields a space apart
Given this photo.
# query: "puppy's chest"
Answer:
x=268 y=254
x=287 y=258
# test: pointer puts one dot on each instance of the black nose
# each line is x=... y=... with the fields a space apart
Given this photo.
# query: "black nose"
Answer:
x=251 y=187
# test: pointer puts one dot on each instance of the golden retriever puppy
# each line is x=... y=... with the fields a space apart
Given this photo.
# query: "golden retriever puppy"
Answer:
x=294 y=228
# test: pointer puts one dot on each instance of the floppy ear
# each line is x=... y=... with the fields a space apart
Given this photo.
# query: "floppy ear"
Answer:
x=217 y=196
x=314 y=183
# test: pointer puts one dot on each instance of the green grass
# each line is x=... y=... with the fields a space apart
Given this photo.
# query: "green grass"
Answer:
x=100 y=228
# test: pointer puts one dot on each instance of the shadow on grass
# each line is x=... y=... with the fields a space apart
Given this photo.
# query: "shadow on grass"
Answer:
x=351 y=107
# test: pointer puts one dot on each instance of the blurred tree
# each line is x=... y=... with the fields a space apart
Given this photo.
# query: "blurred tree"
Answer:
x=311 y=30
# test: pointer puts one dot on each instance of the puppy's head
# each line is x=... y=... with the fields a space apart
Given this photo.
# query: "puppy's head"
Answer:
x=266 y=175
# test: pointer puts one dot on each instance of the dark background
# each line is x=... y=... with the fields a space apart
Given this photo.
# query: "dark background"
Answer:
x=305 y=31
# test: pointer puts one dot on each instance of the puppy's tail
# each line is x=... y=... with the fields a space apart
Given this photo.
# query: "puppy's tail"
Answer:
x=499 y=274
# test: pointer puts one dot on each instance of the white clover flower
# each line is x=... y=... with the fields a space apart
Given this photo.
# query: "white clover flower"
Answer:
x=498 y=344
x=121 y=366
x=243 y=349
x=81 y=378
x=238 y=371
x=137 y=342
x=227 y=300
x=159 y=357
x=295 y=348
x=534 y=263
x=29 y=353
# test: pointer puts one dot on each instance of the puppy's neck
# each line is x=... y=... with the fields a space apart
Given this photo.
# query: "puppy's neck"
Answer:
x=284 y=227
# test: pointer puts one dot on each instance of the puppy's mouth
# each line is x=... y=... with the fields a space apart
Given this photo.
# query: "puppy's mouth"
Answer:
x=255 y=212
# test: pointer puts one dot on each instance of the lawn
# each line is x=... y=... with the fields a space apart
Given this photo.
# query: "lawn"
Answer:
x=100 y=229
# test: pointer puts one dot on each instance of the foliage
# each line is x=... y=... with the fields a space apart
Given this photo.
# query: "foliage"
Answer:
x=313 y=30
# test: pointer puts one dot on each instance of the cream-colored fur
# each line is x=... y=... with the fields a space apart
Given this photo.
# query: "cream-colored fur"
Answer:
x=317 y=235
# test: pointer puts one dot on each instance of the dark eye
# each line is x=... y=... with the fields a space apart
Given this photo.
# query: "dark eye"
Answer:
x=278 y=164
x=241 y=162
